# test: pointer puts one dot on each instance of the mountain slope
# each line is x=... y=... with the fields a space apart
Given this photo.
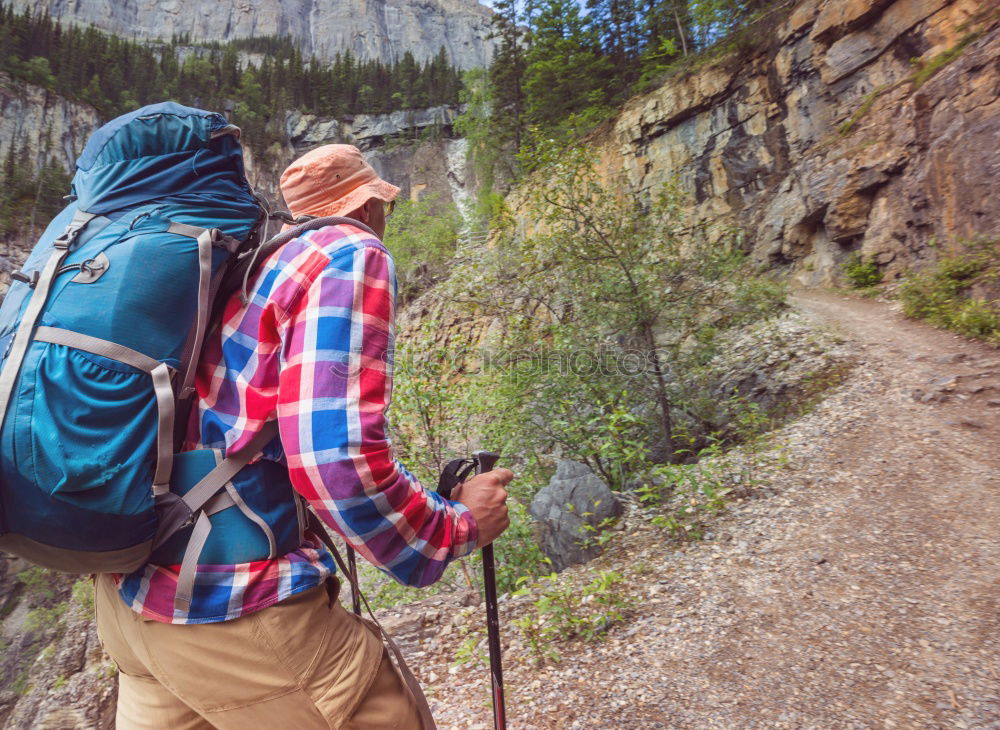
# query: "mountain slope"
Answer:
x=369 y=29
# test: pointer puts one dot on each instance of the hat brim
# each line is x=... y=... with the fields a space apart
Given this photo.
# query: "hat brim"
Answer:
x=377 y=188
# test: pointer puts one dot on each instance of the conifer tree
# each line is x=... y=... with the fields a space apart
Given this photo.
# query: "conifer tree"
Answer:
x=565 y=71
x=507 y=74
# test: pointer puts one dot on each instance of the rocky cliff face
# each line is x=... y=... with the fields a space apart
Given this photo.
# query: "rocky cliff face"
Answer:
x=414 y=149
x=42 y=124
x=834 y=136
x=53 y=673
x=38 y=126
x=369 y=29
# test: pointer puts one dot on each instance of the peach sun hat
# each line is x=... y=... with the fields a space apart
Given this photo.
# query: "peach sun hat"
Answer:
x=332 y=180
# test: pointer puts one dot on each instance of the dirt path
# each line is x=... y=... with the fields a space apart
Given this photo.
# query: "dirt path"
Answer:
x=861 y=589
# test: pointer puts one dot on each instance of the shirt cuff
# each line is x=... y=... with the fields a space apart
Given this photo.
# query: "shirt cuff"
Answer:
x=466 y=531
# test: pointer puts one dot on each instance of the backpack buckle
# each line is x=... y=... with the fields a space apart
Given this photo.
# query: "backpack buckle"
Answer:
x=29 y=279
x=66 y=238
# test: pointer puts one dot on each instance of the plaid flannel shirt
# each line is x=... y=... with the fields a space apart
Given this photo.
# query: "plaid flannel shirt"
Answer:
x=313 y=347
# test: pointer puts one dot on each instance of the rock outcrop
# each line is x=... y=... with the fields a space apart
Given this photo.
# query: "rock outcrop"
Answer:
x=370 y=29
x=414 y=149
x=54 y=675
x=41 y=124
x=866 y=125
x=571 y=511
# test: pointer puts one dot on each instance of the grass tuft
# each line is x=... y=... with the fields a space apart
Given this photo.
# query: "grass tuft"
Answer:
x=927 y=69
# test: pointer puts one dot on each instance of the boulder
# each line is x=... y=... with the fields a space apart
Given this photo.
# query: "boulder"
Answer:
x=574 y=500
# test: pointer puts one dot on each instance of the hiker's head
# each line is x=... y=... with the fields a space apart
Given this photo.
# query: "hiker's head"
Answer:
x=335 y=180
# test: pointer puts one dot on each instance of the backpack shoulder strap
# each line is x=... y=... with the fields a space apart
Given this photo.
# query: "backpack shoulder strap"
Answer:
x=244 y=267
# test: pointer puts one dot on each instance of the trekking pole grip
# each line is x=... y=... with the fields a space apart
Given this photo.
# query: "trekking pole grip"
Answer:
x=486 y=460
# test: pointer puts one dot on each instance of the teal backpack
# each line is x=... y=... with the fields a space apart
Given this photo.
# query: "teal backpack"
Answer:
x=100 y=335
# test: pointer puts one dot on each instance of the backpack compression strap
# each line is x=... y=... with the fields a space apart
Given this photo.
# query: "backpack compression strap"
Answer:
x=207 y=238
x=210 y=495
x=22 y=338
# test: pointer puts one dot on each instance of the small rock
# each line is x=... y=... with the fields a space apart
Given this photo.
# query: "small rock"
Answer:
x=967 y=422
x=817 y=557
x=950 y=358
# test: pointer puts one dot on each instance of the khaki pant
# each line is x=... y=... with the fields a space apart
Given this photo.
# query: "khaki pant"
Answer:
x=302 y=663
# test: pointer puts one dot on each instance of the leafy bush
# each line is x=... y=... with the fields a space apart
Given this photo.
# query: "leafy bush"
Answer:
x=37 y=584
x=422 y=236
x=866 y=104
x=83 y=594
x=942 y=295
x=44 y=618
x=925 y=70
x=603 y=303
x=563 y=611
x=860 y=272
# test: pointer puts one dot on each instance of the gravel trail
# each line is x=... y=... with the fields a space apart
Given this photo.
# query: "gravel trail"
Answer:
x=858 y=588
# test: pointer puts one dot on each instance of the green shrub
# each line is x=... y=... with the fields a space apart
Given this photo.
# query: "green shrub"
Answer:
x=942 y=295
x=37 y=584
x=83 y=594
x=564 y=611
x=862 y=110
x=925 y=70
x=860 y=272
x=44 y=618
x=422 y=236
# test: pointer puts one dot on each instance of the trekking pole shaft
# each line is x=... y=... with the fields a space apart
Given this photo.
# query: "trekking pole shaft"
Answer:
x=485 y=461
x=493 y=637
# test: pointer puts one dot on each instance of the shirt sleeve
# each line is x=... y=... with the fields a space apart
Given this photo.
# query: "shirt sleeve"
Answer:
x=333 y=392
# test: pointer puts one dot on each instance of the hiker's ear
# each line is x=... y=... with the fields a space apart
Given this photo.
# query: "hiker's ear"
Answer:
x=365 y=212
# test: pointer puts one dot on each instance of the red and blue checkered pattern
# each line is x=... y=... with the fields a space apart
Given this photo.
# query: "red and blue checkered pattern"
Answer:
x=313 y=347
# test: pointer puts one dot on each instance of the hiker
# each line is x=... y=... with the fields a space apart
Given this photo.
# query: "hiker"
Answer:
x=267 y=643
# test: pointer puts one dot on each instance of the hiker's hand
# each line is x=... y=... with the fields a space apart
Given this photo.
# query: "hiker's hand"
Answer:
x=486 y=497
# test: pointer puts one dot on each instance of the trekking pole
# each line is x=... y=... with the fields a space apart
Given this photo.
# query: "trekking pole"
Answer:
x=454 y=474
x=352 y=565
x=485 y=461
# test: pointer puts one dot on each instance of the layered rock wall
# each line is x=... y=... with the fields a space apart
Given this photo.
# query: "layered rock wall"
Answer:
x=41 y=124
x=370 y=29
x=414 y=149
x=828 y=139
